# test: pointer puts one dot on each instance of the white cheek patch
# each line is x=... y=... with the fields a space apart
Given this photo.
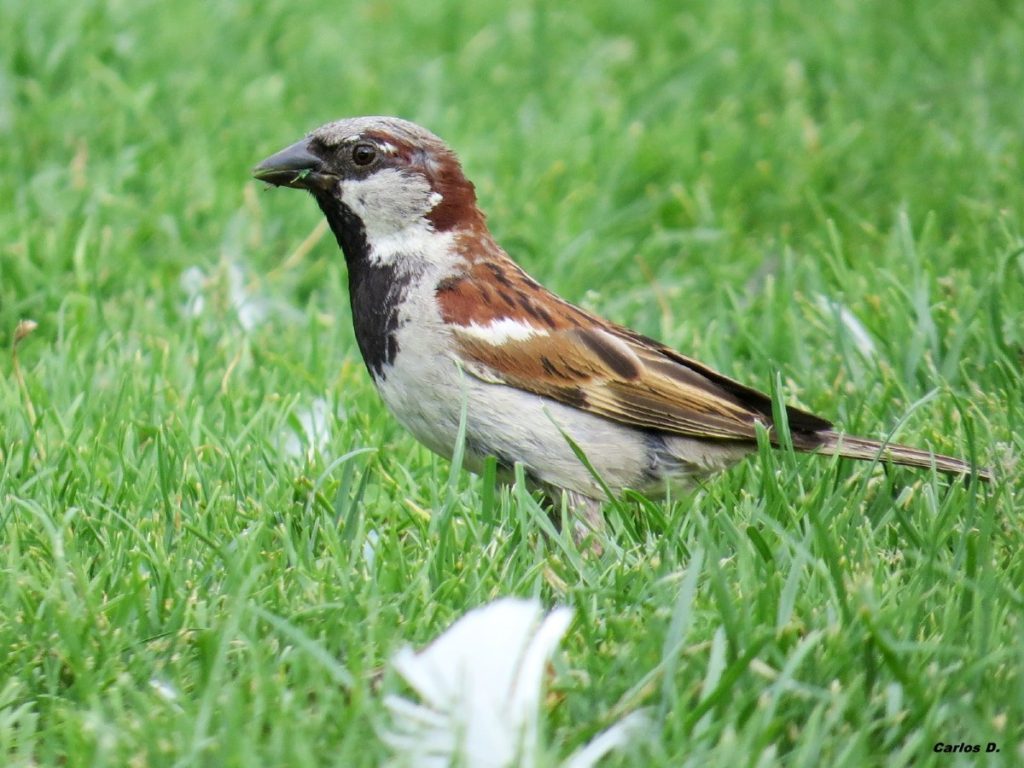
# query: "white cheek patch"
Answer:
x=389 y=201
x=500 y=331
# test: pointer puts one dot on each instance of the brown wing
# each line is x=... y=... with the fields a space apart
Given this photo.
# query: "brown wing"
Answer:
x=560 y=351
x=800 y=421
x=624 y=378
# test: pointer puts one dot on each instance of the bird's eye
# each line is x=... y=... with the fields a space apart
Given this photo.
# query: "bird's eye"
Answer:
x=364 y=154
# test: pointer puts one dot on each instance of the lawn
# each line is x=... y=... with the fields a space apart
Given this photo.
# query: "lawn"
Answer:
x=213 y=537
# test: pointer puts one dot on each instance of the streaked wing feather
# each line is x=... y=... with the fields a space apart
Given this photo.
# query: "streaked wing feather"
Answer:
x=800 y=421
x=615 y=376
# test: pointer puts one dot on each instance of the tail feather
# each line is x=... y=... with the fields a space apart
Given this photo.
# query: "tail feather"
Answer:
x=835 y=444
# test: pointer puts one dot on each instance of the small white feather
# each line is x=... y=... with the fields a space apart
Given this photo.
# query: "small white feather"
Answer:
x=615 y=737
x=314 y=429
x=481 y=684
x=858 y=333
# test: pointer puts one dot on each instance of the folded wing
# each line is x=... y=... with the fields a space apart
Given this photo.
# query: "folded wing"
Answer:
x=615 y=373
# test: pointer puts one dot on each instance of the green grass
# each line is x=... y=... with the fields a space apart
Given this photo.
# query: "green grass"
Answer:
x=178 y=588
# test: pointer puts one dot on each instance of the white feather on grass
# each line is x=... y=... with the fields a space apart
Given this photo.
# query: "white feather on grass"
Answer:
x=481 y=686
x=860 y=335
x=230 y=291
x=311 y=429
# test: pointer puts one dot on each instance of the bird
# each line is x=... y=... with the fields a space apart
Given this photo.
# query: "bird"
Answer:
x=463 y=345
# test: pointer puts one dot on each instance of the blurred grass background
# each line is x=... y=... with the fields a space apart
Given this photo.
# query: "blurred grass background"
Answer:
x=189 y=577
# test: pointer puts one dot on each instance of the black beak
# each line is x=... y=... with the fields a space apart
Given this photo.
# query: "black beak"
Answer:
x=295 y=166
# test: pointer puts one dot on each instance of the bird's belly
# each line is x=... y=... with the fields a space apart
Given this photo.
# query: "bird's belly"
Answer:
x=427 y=394
x=424 y=403
x=515 y=426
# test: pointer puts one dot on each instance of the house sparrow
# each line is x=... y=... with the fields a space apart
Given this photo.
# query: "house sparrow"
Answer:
x=445 y=319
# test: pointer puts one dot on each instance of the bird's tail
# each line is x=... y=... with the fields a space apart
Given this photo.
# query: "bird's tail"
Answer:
x=835 y=444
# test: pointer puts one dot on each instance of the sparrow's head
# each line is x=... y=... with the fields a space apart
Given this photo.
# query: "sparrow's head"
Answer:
x=376 y=177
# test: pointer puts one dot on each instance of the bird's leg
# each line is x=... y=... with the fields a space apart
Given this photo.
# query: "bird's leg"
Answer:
x=586 y=516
